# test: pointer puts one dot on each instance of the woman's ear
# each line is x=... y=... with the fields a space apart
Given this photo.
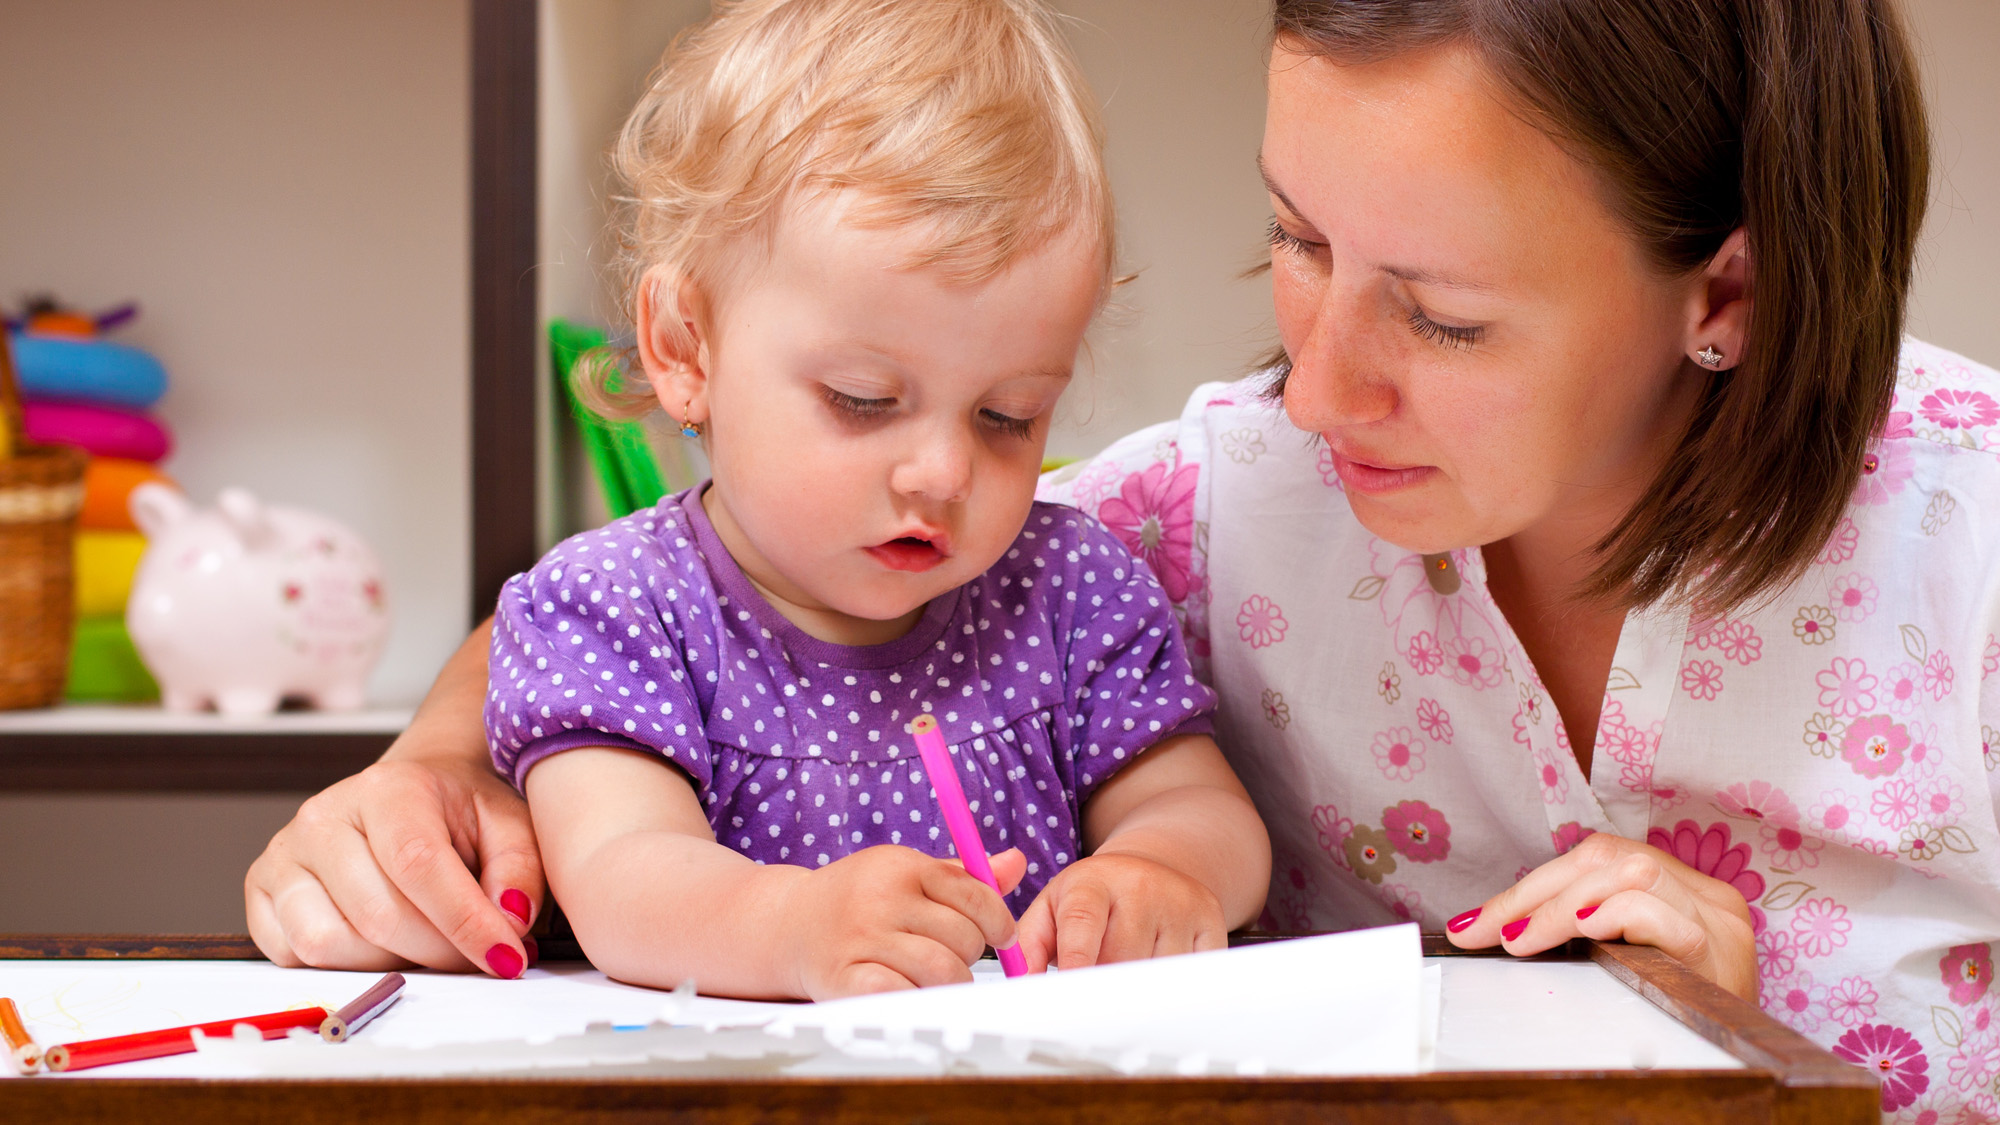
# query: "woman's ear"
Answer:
x=672 y=325
x=1719 y=308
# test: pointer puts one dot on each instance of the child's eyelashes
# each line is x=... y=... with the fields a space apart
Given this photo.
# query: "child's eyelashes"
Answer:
x=858 y=408
x=1008 y=424
x=1444 y=335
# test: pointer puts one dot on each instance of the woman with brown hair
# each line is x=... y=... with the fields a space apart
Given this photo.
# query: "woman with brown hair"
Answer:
x=1598 y=558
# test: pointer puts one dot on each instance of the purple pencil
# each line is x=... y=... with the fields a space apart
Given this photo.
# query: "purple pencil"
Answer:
x=356 y=1014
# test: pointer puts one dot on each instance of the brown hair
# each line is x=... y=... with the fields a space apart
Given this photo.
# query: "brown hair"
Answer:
x=967 y=118
x=1799 y=121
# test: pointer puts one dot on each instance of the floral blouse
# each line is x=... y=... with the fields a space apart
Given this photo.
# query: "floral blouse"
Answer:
x=1829 y=753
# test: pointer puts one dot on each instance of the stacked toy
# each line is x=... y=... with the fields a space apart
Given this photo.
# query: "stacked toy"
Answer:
x=82 y=390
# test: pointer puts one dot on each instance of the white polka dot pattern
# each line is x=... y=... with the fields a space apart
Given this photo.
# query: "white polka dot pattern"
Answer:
x=1047 y=674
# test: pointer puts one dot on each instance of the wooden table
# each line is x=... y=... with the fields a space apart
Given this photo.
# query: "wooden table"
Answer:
x=1785 y=1079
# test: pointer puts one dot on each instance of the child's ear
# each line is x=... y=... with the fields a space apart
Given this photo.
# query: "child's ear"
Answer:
x=672 y=324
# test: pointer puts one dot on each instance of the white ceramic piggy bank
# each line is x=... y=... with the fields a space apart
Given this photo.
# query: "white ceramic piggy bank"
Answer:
x=245 y=604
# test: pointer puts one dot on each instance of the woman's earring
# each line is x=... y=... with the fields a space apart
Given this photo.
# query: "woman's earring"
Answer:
x=1708 y=356
x=689 y=428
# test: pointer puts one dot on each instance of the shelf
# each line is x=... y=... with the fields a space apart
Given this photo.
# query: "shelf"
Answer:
x=144 y=749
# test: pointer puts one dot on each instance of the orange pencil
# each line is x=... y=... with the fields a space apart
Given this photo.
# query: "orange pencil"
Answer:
x=20 y=1045
x=173 y=1040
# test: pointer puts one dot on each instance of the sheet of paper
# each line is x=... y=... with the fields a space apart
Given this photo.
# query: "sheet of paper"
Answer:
x=1501 y=1014
x=1340 y=1004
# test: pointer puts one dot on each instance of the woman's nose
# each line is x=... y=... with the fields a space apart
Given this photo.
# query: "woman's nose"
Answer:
x=1334 y=381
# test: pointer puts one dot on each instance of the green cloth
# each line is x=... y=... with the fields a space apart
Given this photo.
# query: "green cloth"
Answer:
x=619 y=454
x=104 y=667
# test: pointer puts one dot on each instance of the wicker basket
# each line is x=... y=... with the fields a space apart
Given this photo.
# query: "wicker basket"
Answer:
x=41 y=491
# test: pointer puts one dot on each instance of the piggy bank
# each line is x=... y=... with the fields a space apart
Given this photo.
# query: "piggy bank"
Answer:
x=246 y=604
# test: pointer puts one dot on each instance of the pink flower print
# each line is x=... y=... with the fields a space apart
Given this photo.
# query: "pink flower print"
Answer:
x=1798 y=1001
x=1894 y=1056
x=1873 y=744
x=1473 y=662
x=1261 y=622
x=1852 y=597
x=1419 y=831
x=1710 y=853
x=1435 y=720
x=1901 y=686
x=1095 y=482
x=1895 y=804
x=1813 y=625
x=1989 y=660
x=1885 y=469
x=1775 y=955
x=1975 y=1063
x=1757 y=800
x=1823 y=734
x=1921 y=841
x=1701 y=679
x=1819 y=926
x=1739 y=641
x=1404 y=902
x=1398 y=754
x=1333 y=830
x=1841 y=544
x=1329 y=473
x=1153 y=514
x=1924 y=756
x=1549 y=771
x=1836 y=816
x=1705 y=634
x=1568 y=835
x=1424 y=654
x=1941 y=801
x=1967 y=971
x=1846 y=687
x=1959 y=410
x=1851 y=1001
x=1276 y=711
x=1989 y=747
x=1938 y=675
x=1896 y=425
x=1787 y=847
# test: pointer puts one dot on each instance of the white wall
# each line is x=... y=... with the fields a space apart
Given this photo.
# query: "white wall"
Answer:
x=1957 y=298
x=282 y=187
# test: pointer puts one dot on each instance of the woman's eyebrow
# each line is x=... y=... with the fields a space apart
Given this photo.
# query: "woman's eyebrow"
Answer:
x=1407 y=273
x=1271 y=186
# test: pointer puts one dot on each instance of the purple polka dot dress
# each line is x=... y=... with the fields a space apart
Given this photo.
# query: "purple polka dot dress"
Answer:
x=1047 y=674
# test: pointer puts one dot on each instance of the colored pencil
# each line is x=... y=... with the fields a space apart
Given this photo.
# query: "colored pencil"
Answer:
x=173 y=1040
x=958 y=819
x=20 y=1045
x=356 y=1014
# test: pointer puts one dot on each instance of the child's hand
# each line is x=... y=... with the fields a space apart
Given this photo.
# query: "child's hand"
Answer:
x=1114 y=907
x=891 y=917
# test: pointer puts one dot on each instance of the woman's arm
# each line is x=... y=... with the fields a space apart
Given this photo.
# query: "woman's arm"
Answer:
x=656 y=901
x=1177 y=858
x=425 y=857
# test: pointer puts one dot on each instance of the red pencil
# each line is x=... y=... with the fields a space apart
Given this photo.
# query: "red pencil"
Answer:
x=173 y=1040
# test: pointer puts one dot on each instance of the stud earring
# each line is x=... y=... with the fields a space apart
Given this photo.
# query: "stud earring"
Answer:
x=689 y=428
x=1708 y=356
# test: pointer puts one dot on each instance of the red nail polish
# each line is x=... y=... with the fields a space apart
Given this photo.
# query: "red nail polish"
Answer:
x=1457 y=925
x=534 y=949
x=1586 y=912
x=515 y=903
x=505 y=963
x=1513 y=929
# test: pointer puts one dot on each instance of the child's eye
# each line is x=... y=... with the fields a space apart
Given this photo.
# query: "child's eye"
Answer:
x=856 y=406
x=1008 y=424
x=1283 y=239
x=1447 y=335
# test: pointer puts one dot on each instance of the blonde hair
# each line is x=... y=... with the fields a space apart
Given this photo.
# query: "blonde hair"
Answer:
x=968 y=117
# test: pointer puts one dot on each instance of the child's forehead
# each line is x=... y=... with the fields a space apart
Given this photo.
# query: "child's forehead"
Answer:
x=889 y=233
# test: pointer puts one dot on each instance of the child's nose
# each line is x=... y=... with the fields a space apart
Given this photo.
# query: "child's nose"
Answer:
x=937 y=468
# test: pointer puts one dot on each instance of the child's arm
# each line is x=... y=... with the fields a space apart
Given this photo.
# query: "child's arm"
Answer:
x=656 y=900
x=1177 y=857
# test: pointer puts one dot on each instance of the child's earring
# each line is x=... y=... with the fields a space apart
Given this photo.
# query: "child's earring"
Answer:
x=689 y=428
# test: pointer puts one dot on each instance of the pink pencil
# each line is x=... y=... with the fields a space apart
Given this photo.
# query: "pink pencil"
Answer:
x=958 y=820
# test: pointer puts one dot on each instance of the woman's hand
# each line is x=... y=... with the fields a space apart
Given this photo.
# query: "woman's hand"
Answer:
x=1107 y=908
x=890 y=917
x=377 y=872
x=1611 y=888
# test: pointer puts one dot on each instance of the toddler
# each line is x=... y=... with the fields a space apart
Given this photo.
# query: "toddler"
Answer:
x=866 y=239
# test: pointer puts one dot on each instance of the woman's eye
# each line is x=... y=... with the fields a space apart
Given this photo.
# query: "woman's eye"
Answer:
x=1008 y=424
x=1283 y=239
x=856 y=406
x=1445 y=335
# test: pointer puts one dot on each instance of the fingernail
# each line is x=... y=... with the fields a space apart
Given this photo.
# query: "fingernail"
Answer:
x=534 y=949
x=1586 y=912
x=505 y=963
x=516 y=903
x=1513 y=929
x=1458 y=924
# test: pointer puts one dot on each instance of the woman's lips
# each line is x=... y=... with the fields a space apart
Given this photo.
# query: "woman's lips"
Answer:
x=1363 y=477
x=909 y=553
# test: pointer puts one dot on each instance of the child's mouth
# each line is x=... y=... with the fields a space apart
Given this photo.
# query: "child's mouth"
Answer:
x=907 y=553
